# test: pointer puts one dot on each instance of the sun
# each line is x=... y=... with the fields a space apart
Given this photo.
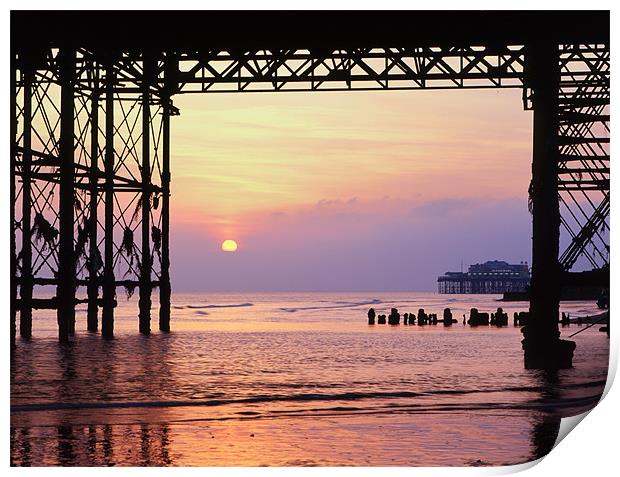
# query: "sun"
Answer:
x=229 y=246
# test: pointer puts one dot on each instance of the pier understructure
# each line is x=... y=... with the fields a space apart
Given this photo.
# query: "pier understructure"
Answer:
x=91 y=103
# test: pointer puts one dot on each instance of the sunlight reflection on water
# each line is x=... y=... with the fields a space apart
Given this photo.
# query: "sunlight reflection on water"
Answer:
x=260 y=384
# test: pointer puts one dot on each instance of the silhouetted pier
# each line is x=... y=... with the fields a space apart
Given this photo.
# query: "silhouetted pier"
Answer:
x=491 y=277
x=92 y=98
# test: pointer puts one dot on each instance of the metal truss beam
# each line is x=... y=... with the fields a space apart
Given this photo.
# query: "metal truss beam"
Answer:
x=360 y=69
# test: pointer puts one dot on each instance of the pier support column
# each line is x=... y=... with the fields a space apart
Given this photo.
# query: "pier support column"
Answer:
x=145 y=284
x=94 y=257
x=65 y=291
x=109 y=285
x=12 y=194
x=164 y=284
x=171 y=67
x=541 y=344
x=26 y=285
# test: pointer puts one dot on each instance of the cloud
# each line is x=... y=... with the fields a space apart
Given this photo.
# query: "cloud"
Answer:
x=342 y=191
x=363 y=246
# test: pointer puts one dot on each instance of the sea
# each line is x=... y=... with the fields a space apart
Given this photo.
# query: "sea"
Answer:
x=295 y=379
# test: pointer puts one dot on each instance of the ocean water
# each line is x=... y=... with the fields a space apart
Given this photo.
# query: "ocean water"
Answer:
x=295 y=379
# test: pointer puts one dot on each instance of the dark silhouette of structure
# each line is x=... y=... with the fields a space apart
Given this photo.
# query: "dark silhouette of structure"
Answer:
x=447 y=317
x=423 y=318
x=477 y=318
x=490 y=277
x=394 y=317
x=371 y=316
x=91 y=102
x=499 y=318
x=522 y=318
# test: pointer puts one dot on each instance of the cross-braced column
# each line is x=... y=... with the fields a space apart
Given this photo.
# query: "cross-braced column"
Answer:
x=133 y=163
x=35 y=177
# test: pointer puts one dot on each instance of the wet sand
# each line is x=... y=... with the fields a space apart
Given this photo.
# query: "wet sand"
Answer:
x=295 y=382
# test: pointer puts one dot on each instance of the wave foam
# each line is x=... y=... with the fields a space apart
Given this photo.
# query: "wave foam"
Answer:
x=340 y=304
x=198 y=307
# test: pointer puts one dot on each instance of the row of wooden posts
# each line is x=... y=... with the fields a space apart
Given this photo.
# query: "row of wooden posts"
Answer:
x=476 y=318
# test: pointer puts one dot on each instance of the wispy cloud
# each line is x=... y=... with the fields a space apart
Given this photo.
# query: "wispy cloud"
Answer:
x=295 y=175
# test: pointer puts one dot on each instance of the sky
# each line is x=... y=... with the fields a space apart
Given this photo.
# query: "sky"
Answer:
x=346 y=191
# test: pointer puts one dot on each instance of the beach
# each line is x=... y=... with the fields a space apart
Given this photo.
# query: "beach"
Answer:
x=295 y=379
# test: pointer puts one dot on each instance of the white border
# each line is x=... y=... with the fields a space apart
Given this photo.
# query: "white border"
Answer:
x=588 y=451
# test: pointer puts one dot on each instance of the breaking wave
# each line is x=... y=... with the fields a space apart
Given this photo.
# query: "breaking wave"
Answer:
x=345 y=396
x=198 y=307
x=339 y=304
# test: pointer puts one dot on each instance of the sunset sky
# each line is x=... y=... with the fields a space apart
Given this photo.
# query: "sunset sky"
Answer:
x=346 y=191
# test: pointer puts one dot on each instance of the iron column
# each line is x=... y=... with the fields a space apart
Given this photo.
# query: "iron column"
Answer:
x=26 y=285
x=164 y=285
x=12 y=192
x=145 y=261
x=66 y=258
x=94 y=260
x=109 y=287
x=542 y=346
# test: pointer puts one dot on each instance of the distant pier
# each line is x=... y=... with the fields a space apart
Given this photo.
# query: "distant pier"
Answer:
x=490 y=277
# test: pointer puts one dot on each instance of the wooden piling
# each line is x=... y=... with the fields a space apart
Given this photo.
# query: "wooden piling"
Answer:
x=447 y=317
